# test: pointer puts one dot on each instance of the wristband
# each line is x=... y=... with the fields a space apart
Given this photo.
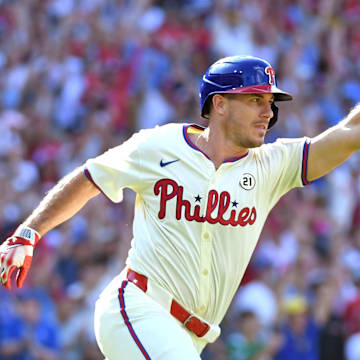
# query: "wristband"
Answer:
x=28 y=234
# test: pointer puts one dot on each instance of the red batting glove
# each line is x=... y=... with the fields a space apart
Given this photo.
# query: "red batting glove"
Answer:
x=16 y=252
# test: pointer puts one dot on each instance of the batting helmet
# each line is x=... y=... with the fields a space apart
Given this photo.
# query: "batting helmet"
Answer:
x=243 y=75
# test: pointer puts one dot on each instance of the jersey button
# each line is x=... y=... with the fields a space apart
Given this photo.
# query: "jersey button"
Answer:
x=202 y=307
x=206 y=235
x=205 y=272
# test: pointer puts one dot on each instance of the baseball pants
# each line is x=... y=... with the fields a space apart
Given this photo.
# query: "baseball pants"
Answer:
x=129 y=325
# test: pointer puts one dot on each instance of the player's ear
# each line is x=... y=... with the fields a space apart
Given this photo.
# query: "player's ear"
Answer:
x=219 y=104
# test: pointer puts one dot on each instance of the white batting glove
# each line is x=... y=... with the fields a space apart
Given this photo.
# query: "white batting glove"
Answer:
x=16 y=253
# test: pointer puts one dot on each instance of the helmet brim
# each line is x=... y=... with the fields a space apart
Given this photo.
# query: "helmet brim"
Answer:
x=279 y=95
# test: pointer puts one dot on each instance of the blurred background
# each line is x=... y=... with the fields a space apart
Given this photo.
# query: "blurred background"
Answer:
x=80 y=76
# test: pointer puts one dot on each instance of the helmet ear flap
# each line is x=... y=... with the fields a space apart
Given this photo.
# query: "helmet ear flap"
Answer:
x=273 y=120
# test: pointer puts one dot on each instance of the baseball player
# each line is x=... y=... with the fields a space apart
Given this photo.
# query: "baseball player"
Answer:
x=203 y=195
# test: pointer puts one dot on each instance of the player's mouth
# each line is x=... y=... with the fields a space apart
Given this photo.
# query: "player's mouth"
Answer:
x=263 y=125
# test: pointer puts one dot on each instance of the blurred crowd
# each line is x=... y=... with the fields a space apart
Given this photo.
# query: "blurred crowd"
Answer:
x=79 y=76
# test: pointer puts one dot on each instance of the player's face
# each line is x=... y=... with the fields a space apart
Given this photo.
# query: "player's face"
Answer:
x=247 y=118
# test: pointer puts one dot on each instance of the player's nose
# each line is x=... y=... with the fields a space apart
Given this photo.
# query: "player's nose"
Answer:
x=267 y=111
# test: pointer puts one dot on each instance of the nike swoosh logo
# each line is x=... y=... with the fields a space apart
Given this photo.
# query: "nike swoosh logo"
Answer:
x=165 y=163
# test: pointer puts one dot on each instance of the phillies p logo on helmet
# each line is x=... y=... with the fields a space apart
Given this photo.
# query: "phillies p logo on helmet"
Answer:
x=271 y=72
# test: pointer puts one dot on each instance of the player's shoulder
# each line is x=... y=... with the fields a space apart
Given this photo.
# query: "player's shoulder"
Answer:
x=162 y=129
x=278 y=146
x=280 y=143
x=167 y=133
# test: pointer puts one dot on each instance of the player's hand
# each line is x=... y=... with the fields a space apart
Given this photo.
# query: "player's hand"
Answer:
x=16 y=253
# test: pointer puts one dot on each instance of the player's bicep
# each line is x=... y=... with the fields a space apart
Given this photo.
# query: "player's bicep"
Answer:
x=92 y=188
x=328 y=150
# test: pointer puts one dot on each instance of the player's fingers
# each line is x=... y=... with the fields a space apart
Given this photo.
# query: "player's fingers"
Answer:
x=9 y=268
x=3 y=269
x=23 y=271
x=3 y=275
x=8 y=277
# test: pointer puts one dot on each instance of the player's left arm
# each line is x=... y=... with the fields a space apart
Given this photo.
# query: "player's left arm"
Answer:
x=335 y=145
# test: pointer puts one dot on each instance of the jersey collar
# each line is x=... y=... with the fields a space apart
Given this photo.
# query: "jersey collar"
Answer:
x=198 y=128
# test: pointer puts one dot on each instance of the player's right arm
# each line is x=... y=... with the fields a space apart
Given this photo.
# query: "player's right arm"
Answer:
x=60 y=204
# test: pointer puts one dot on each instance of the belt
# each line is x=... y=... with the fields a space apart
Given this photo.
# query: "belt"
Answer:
x=190 y=321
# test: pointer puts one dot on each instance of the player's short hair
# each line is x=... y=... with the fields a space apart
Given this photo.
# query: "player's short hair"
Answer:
x=209 y=105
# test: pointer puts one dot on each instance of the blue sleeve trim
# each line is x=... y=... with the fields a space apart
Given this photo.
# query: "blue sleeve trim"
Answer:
x=305 y=159
x=88 y=175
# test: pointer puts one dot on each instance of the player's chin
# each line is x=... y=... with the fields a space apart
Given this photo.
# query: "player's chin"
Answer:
x=255 y=142
x=259 y=138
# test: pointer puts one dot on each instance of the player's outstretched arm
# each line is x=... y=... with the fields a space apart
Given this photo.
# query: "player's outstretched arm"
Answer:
x=59 y=205
x=62 y=202
x=335 y=145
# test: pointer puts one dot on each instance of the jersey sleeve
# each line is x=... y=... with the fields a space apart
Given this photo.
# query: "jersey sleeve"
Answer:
x=286 y=166
x=117 y=169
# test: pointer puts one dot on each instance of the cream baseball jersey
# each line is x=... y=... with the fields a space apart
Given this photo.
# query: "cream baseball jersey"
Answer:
x=196 y=227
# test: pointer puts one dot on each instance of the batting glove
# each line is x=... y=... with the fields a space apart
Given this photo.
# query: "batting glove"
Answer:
x=16 y=253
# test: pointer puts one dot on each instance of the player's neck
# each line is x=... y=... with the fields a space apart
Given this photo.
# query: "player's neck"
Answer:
x=216 y=146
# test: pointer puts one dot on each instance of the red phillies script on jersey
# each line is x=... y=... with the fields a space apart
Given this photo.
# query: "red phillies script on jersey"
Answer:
x=168 y=189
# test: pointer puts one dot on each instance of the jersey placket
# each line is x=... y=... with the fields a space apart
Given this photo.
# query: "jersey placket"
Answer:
x=205 y=266
x=206 y=245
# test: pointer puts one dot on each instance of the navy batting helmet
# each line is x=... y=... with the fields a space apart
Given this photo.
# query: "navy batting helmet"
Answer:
x=243 y=75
